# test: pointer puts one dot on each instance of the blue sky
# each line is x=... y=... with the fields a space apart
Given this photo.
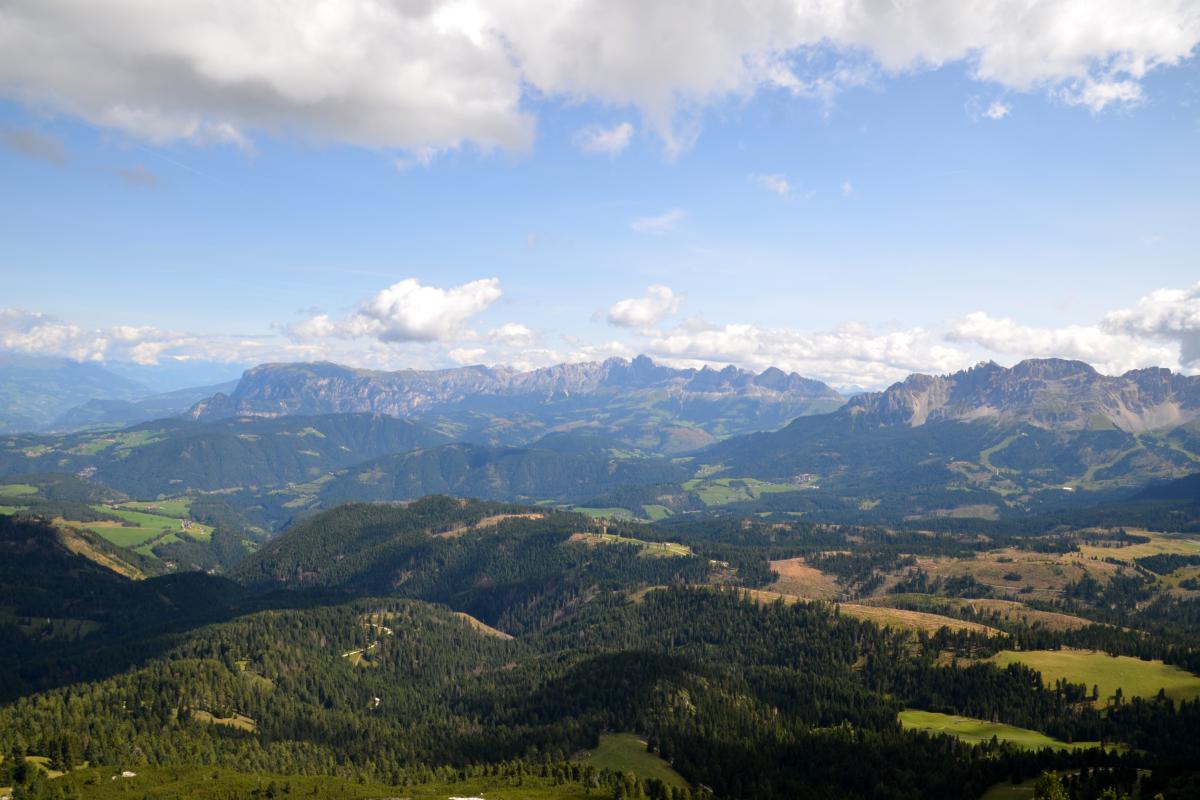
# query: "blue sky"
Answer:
x=902 y=216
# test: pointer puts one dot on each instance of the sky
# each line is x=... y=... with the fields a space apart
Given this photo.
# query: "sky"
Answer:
x=854 y=190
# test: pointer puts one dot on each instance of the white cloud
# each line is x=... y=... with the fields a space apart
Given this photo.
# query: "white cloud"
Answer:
x=776 y=183
x=657 y=304
x=393 y=75
x=606 y=141
x=467 y=355
x=663 y=223
x=997 y=110
x=406 y=312
x=439 y=73
x=1109 y=352
x=850 y=355
x=847 y=189
x=1166 y=315
x=1097 y=95
x=513 y=334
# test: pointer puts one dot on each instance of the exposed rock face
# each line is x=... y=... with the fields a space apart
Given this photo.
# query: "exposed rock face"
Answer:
x=1047 y=393
x=618 y=394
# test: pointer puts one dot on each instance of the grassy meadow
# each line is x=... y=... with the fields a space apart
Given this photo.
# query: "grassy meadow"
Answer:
x=626 y=752
x=1136 y=678
x=978 y=730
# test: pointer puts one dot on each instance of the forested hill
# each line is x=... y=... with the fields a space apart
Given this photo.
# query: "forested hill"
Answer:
x=496 y=473
x=511 y=566
x=174 y=456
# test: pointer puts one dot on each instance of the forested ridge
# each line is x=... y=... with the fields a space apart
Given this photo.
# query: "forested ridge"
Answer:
x=336 y=650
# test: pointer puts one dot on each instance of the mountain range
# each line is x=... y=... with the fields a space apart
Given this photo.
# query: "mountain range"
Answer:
x=643 y=405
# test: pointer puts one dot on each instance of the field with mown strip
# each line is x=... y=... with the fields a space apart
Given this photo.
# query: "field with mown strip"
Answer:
x=626 y=752
x=978 y=730
x=1136 y=678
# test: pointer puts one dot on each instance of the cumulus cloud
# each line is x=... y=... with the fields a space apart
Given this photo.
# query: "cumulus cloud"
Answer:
x=42 y=334
x=395 y=75
x=776 y=183
x=849 y=355
x=657 y=304
x=1098 y=95
x=606 y=141
x=663 y=223
x=513 y=334
x=997 y=110
x=1166 y=315
x=438 y=73
x=33 y=144
x=406 y=312
x=1109 y=352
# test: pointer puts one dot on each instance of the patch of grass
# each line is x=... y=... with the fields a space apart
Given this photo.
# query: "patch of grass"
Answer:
x=656 y=512
x=978 y=730
x=604 y=513
x=1136 y=678
x=1159 y=544
x=11 y=509
x=238 y=721
x=723 y=491
x=626 y=752
x=11 y=490
x=661 y=549
x=176 y=507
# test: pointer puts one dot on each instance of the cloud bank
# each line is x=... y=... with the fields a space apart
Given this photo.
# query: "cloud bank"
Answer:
x=437 y=74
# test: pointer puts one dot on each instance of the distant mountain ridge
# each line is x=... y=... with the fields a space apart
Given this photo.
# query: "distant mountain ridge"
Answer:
x=1046 y=393
x=647 y=405
x=34 y=390
x=1040 y=424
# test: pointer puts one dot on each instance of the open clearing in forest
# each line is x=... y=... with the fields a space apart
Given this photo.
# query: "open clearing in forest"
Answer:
x=723 y=491
x=797 y=577
x=483 y=627
x=660 y=549
x=1021 y=573
x=1136 y=678
x=978 y=730
x=239 y=721
x=14 y=490
x=1159 y=544
x=626 y=752
x=603 y=513
x=882 y=615
x=1009 y=610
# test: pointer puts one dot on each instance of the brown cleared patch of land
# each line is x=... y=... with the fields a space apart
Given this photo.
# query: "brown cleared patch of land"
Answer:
x=80 y=546
x=483 y=627
x=1010 y=610
x=1045 y=574
x=797 y=577
x=239 y=721
x=882 y=615
x=486 y=522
